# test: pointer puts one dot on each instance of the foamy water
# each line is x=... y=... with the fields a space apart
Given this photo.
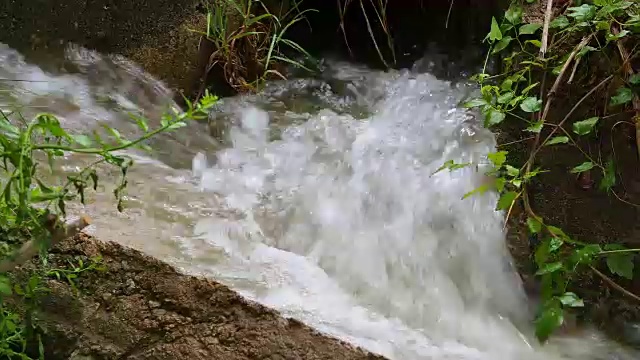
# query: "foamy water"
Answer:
x=321 y=203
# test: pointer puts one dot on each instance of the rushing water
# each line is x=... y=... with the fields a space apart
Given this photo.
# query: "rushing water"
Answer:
x=320 y=200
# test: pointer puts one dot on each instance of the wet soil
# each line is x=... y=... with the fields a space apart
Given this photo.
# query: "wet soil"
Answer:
x=141 y=308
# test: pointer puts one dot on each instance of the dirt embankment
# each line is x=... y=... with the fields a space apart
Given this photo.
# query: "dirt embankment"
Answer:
x=142 y=308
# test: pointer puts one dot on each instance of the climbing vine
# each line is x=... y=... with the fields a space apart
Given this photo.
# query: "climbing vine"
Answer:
x=541 y=52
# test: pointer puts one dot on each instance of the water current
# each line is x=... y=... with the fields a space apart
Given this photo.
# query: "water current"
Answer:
x=318 y=198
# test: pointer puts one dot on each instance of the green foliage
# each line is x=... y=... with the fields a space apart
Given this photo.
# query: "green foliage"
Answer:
x=249 y=41
x=26 y=199
x=583 y=31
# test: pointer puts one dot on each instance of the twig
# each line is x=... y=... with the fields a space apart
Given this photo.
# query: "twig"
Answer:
x=58 y=233
x=614 y=285
x=545 y=29
x=573 y=72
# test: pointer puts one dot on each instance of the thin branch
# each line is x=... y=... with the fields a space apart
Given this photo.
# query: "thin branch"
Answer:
x=545 y=29
x=614 y=285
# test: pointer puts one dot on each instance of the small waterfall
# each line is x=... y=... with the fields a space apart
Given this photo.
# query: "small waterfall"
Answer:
x=321 y=201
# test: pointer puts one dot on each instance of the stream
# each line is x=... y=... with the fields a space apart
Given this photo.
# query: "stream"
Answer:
x=317 y=198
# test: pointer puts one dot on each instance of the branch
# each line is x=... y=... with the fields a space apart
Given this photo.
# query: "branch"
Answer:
x=545 y=29
x=58 y=233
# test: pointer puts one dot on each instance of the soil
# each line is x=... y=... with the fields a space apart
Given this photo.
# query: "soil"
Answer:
x=141 y=308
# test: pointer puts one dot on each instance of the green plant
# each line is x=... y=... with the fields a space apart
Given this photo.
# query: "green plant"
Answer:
x=71 y=273
x=31 y=209
x=539 y=58
x=249 y=41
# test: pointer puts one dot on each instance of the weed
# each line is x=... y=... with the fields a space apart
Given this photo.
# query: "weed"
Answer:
x=249 y=41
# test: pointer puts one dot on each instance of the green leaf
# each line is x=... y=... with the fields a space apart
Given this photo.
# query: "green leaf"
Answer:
x=495 y=33
x=512 y=171
x=495 y=117
x=534 y=225
x=529 y=29
x=506 y=97
x=572 y=300
x=535 y=43
x=583 y=12
x=530 y=87
x=587 y=165
x=622 y=96
x=531 y=104
x=177 y=125
x=142 y=123
x=500 y=183
x=536 y=127
x=555 y=244
x=603 y=25
x=498 y=158
x=506 y=84
x=506 y=200
x=5 y=286
x=608 y=176
x=586 y=254
x=585 y=126
x=479 y=190
x=549 y=268
x=514 y=14
x=556 y=231
x=502 y=44
x=557 y=140
x=621 y=264
x=83 y=140
x=634 y=79
x=618 y=36
x=474 y=103
x=451 y=166
x=560 y=22
x=585 y=50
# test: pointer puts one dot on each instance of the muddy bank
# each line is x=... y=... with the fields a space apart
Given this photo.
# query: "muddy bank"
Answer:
x=141 y=308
